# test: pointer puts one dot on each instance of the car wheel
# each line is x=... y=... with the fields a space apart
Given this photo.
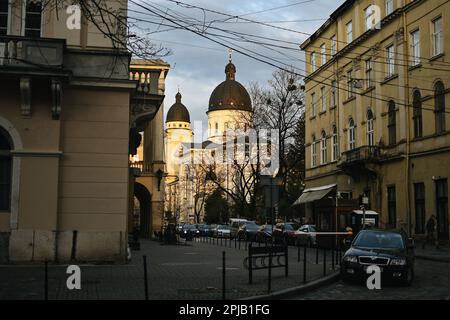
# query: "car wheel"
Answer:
x=408 y=277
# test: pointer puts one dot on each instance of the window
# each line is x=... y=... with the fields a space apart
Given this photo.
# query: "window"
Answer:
x=313 y=62
x=33 y=16
x=389 y=7
x=417 y=114
x=369 y=73
x=323 y=53
x=390 y=61
x=392 y=123
x=333 y=45
x=392 y=207
x=323 y=148
x=415 y=47
x=323 y=107
x=370 y=129
x=419 y=201
x=439 y=105
x=5 y=171
x=351 y=134
x=349 y=85
x=314 y=152
x=437 y=37
x=333 y=101
x=369 y=14
x=4 y=10
x=349 y=28
x=313 y=104
x=335 y=150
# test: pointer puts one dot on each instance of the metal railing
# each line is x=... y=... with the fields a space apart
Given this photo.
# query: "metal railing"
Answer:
x=365 y=153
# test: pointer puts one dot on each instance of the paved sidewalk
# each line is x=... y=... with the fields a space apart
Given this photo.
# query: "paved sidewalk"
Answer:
x=191 y=271
x=432 y=253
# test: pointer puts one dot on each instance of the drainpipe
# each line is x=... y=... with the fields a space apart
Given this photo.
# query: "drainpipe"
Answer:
x=408 y=125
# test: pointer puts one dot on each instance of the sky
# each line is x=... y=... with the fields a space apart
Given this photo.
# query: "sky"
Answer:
x=198 y=64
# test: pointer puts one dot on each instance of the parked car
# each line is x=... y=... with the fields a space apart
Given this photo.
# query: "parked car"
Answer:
x=306 y=235
x=284 y=232
x=204 y=229
x=222 y=231
x=189 y=232
x=247 y=231
x=264 y=233
x=234 y=225
x=392 y=251
x=179 y=228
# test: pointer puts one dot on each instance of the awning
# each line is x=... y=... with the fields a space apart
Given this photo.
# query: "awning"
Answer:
x=313 y=194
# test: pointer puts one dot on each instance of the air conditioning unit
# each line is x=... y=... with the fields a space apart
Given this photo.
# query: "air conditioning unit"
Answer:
x=346 y=195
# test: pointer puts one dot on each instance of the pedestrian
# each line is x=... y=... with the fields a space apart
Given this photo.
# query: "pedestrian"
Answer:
x=431 y=226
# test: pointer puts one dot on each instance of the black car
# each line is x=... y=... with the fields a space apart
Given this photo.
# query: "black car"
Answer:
x=189 y=232
x=392 y=251
x=204 y=230
x=285 y=232
x=247 y=231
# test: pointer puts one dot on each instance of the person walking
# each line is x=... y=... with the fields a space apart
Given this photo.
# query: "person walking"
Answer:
x=431 y=227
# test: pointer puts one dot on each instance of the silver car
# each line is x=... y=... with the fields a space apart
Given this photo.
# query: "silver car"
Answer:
x=306 y=234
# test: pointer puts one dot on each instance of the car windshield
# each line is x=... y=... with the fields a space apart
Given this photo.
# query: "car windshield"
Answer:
x=224 y=227
x=371 y=239
x=251 y=226
x=312 y=229
x=190 y=227
x=290 y=227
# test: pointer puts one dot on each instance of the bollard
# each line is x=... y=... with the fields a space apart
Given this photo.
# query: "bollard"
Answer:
x=332 y=257
x=269 y=285
x=145 y=277
x=239 y=243
x=298 y=252
x=304 y=265
x=317 y=253
x=324 y=262
x=336 y=253
x=235 y=242
x=223 y=275
x=230 y=241
x=250 y=264
x=46 y=280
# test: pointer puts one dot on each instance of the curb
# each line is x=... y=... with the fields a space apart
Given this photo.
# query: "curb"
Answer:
x=435 y=259
x=282 y=294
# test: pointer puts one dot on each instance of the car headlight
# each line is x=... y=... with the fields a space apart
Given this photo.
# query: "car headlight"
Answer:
x=352 y=259
x=398 y=262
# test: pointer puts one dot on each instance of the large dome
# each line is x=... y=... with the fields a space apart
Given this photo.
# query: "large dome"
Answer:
x=178 y=112
x=230 y=94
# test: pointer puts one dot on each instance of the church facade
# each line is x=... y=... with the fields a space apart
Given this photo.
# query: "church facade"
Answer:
x=190 y=161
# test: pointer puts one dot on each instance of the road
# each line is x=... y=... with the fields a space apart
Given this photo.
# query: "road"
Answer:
x=432 y=281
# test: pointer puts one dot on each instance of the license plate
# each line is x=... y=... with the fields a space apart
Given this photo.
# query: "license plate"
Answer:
x=365 y=268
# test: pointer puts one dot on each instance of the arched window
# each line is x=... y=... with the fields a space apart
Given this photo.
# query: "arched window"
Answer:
x=5 y=171
x=323 y=148
x=313 y=152
x=351 y=134
x=417 y=114
x=335 y=151
x=370 y=129
x=392 y=123
x=439 y=106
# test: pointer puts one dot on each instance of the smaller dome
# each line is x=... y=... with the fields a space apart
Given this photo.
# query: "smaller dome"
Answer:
x=178 y=111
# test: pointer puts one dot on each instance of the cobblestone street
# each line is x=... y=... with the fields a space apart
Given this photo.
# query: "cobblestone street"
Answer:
x=191 y=271
x=432 y=281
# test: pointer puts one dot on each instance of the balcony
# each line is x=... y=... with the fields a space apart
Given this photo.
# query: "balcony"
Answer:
x=33 y=56
x=360 y=157
x=147 y=97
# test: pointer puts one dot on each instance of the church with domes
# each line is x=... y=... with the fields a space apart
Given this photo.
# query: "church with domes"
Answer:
x=229 y=109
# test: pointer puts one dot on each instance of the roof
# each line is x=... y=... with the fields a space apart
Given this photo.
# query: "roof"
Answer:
x=178 y=111
x=333 y=17
x=230 y=94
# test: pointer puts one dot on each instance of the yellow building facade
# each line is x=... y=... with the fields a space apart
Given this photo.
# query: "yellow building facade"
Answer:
x=377 y=121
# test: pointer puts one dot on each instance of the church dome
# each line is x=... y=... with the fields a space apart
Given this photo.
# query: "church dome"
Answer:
x=230 y=94
x=178 y=112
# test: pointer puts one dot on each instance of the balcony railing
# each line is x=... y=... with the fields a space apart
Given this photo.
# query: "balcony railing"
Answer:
x=141 y=166
x=365 y=154
x=146 y=100
x=16 y=51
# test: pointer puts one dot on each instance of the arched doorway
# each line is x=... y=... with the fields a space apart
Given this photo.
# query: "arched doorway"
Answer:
x=144 y=222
